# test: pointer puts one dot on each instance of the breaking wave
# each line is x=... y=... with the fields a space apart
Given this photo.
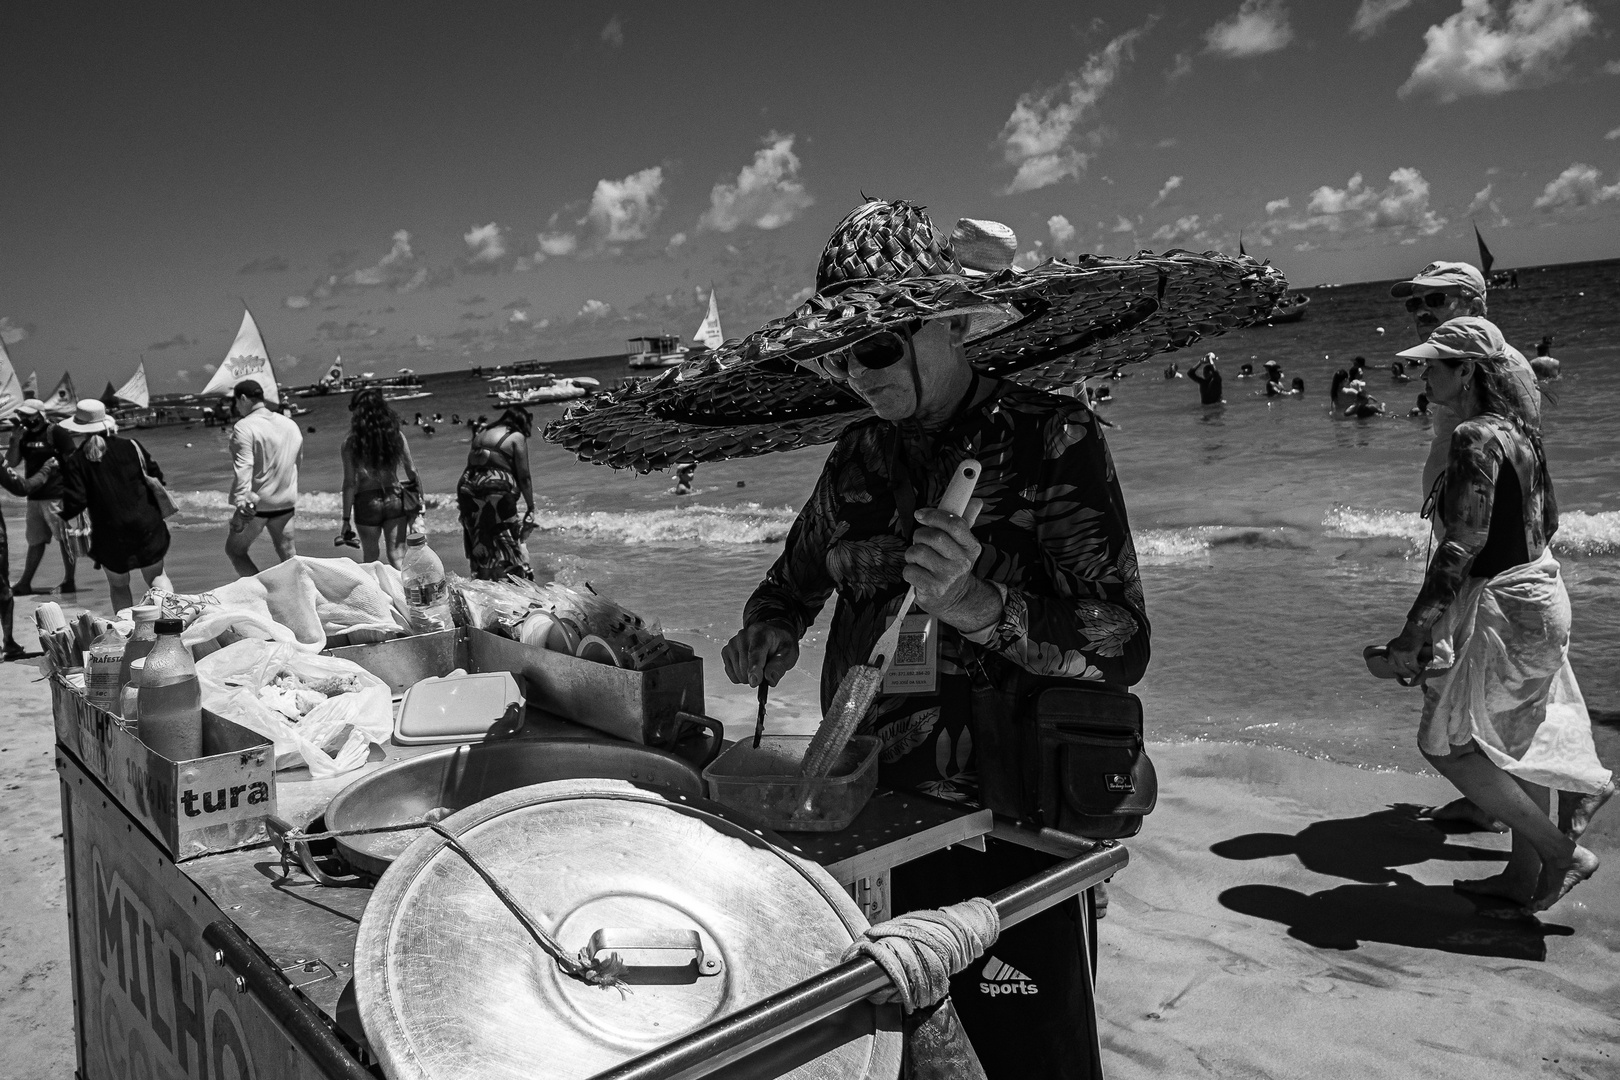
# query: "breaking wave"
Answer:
x=1579 y=532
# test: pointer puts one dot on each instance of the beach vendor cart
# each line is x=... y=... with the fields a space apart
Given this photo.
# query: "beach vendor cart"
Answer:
x=528 y=886
x=984 y=639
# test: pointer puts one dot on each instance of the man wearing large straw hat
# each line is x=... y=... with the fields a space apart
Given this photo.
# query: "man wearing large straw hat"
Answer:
x=907 y=356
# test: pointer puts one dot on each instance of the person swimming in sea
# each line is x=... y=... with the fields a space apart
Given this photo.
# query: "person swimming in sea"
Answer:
x=1397 y=371
x=1245 y=371
x=1364 y=405
x=1298 y=386
x=1546 y=367
x=1172 y=370
x=1209 y=381
x=1422 y=406
x=683 y=477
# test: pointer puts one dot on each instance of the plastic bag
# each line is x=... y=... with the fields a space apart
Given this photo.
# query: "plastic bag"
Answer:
x=340 y=707
x=496 y=606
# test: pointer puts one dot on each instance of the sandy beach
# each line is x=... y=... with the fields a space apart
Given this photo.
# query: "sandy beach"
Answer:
x=1281 y=917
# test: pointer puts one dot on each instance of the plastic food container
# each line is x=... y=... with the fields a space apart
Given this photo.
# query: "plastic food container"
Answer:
x=458 y=707
x=765 y=783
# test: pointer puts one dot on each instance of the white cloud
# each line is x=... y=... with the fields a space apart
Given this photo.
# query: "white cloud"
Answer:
x=613 y=33
x=1026 y=260
x=1276 y=205
x=422 y=341
x=1062 y=232
x=1165 y=144
x=1256 y=28
x=1482 y=200
x=1578 y=185
x=767 y=195
x=594 y=309
x=1614 y=134
x=518 y=316
x=624 y=210
x=182 y=374
x=558 y=243
x=1039 y=138
x=398 y=255
x=1477 y=51
x=210 y=368
x=1612 y=67
x=1164 y=192
x=486 y=244
x=1123 y=225
x=1181 y=69
x=297 y=303
x=11 y=332
x=674 y=243
x=1373 y=14
x=288 y=361
x=1403 y=204
x=1189 y=227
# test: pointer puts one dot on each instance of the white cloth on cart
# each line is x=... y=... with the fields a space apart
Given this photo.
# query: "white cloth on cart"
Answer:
x=300 y=602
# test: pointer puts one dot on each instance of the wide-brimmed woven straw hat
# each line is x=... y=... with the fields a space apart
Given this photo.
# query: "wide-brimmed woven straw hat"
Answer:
x=89 y=416
x=885 y=265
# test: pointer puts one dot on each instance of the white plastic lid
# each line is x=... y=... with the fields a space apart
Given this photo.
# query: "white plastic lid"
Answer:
x=148 y=613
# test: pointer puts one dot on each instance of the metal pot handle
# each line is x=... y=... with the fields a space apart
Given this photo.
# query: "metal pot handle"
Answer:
x=278 y=828
x=661 y=950
x=717 y=734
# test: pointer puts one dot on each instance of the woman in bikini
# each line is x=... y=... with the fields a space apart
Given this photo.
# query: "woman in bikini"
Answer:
x=497 y=474
x=1503 y=717
x=374 y=452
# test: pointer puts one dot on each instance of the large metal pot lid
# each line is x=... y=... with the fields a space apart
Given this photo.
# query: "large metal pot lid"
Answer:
x=709 y=915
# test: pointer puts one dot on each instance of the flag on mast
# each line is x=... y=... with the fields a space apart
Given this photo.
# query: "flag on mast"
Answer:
x=247 y=359
x=1240 y=245
x=1485 y=257
x=11 y=391
x=709 y=331
x=135 y=391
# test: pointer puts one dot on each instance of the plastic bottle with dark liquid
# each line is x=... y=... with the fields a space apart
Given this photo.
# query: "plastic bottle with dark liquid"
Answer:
x=169 y=700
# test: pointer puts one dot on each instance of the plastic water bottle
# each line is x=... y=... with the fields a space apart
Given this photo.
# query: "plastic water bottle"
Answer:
x=426 y=594
x=106 y=662
x=129 y=705
x=170 y=699
x=140 y=643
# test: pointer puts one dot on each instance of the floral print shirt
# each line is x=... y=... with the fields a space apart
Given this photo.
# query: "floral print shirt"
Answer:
x=1055 y=540
x=1483 y=450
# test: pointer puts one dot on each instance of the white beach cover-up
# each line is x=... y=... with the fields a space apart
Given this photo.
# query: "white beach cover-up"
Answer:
x=1501 y=677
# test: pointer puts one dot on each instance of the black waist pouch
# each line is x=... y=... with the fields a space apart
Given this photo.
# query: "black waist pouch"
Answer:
x=1061 y=753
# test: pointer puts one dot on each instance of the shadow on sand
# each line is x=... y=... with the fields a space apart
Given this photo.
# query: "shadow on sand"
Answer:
x=1385 y=903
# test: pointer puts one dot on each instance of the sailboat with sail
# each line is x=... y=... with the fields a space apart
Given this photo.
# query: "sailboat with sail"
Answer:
x=708 y=331
x=12 y=392
x=64 y=399
x=31 y=387
x=333 y=382
x=247 y=358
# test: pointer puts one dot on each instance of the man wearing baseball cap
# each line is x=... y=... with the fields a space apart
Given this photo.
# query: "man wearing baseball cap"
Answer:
x=35 y=442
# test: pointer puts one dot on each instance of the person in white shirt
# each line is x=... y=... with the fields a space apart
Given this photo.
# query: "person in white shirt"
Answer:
x=266 y=449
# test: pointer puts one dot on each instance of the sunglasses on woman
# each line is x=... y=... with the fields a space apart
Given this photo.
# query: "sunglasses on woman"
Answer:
x=1432 y=300
x=881 y=350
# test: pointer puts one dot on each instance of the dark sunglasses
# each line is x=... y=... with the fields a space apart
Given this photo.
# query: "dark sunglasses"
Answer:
x=883 y=349
x=1433 y=300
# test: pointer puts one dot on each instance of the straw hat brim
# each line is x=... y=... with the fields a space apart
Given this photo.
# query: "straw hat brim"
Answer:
x=1060 y=323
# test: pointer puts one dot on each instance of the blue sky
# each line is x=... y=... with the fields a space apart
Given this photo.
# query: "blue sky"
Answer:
x=441 y=185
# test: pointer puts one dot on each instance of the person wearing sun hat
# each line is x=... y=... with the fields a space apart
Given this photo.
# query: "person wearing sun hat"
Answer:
x=1503 y=718
x=34 y=442
x=106 y=476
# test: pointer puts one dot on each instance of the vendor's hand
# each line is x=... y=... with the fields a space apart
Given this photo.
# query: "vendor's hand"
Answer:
x=762 y=650
x=1409 y=651
x=939 y=564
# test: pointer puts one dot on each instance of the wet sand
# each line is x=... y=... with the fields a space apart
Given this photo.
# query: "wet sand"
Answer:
x=1280 y=917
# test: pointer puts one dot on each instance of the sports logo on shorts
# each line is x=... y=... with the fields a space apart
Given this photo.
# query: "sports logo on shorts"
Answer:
x=1002 y=978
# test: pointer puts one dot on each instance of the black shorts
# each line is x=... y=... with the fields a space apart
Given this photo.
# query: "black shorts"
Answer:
x=272 y=514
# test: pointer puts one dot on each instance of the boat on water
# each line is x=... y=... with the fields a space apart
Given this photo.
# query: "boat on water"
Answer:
x=1291 y=308
x=333 y=382
x=656 y=351
x=247 y=358
x=540 y=389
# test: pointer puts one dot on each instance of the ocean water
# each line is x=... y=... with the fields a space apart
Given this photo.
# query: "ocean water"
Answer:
x=1276 y=542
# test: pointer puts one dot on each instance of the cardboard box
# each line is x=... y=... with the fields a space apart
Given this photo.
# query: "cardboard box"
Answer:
x=638 y=706
x=217 y=802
